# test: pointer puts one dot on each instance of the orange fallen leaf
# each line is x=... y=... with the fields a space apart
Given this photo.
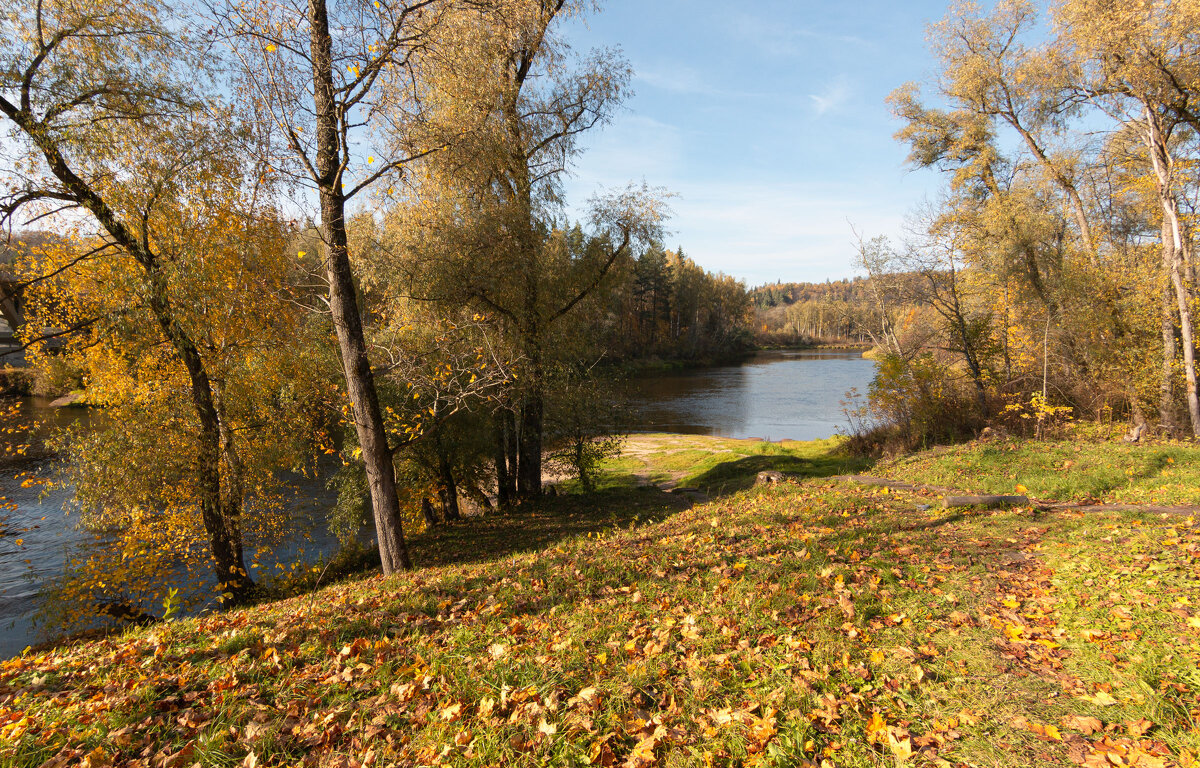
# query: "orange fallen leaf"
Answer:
x=1136 y=728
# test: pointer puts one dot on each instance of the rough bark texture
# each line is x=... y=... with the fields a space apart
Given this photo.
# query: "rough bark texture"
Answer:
x=529 y=466
x=343 y=303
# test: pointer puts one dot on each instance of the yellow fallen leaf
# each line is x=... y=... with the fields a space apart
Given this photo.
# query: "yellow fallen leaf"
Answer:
x=901 y=748
x=1101 y=699
x=876 y=728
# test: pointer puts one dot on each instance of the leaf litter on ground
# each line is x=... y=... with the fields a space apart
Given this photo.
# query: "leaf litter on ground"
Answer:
x=812 y=624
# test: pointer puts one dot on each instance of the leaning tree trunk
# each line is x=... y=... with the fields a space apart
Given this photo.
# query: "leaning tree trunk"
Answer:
x=224 y=540
x=356 y=365
x=1189 y=344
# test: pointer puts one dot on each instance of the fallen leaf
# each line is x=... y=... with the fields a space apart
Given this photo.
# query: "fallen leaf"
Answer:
x=1085 y=725
x=1137 y=728
x=1101 y=699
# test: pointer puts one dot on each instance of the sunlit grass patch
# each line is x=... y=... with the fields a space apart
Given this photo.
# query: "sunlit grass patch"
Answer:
x=1065 y=470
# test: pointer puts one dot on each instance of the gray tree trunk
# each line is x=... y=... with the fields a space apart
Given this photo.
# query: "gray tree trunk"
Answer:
x=343 y=303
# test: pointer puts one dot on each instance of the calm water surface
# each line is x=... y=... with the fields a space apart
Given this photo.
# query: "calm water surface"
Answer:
x=772 y=396
x=43 y=521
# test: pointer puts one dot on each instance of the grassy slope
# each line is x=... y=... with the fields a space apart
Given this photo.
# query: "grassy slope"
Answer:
x=1062 y=470
x=785 y=626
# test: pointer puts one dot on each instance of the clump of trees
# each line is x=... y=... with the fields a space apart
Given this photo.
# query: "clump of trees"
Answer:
x=665 y=305
x=807 y=314
x=287 y=232
x=1058 y=268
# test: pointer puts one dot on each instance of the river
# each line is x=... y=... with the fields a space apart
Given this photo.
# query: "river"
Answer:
x=776 y=395
x=41 y=520
x=772 y=396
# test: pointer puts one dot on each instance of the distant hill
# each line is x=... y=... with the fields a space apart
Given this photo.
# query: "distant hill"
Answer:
x=784 y=294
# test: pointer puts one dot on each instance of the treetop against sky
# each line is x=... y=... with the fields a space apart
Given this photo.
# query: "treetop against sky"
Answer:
x=768 y=122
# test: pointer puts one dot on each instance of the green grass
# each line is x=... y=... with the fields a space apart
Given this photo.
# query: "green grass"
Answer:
x=1062 y=470
x=720 y=466
x=810 y=622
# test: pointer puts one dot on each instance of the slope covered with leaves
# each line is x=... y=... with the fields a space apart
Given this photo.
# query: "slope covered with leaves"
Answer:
x=805 y=624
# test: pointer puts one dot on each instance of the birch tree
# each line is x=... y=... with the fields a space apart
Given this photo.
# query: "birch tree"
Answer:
x=106 y=107
x=1140 y=59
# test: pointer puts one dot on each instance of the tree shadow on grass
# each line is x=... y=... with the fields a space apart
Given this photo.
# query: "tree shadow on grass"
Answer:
x=539 y=525
x=739 y=474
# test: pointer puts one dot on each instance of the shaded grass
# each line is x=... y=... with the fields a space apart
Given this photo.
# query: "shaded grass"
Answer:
x=616 y=504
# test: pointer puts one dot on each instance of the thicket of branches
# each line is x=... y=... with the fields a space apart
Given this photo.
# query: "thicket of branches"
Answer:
x=1058 y=269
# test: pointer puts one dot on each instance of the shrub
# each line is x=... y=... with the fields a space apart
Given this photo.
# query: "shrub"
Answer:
x=913 y=403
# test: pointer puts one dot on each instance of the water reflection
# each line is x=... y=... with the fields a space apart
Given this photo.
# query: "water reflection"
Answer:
x=773 y=396
x=41 y=518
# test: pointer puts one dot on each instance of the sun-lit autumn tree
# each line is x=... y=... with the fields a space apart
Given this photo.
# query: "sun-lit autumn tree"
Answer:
x=230 y=279
x=119 y=141
x=333 y=81
x=1070 y=153
x=482 y=224
x=1141 y=61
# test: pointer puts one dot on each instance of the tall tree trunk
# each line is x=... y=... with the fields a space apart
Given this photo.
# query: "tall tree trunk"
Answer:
x=234 y=490
x=1166 y=386
x=506 y=458
x=505 y=481
x=447 y=489
x=1160 y=159
x=431 y=520
x=1189 y=344
x=529 y=466
x=343 y=303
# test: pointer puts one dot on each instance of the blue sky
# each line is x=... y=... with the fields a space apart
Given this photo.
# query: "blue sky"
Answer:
x=767 y=120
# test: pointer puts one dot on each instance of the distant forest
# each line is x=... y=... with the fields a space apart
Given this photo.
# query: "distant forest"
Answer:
x=833 y=312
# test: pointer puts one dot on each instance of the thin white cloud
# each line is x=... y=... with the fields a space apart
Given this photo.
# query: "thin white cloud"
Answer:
x=789 y=231
x=633 y=148
x=674 y=78
x=783 y=40
x=834 y=95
